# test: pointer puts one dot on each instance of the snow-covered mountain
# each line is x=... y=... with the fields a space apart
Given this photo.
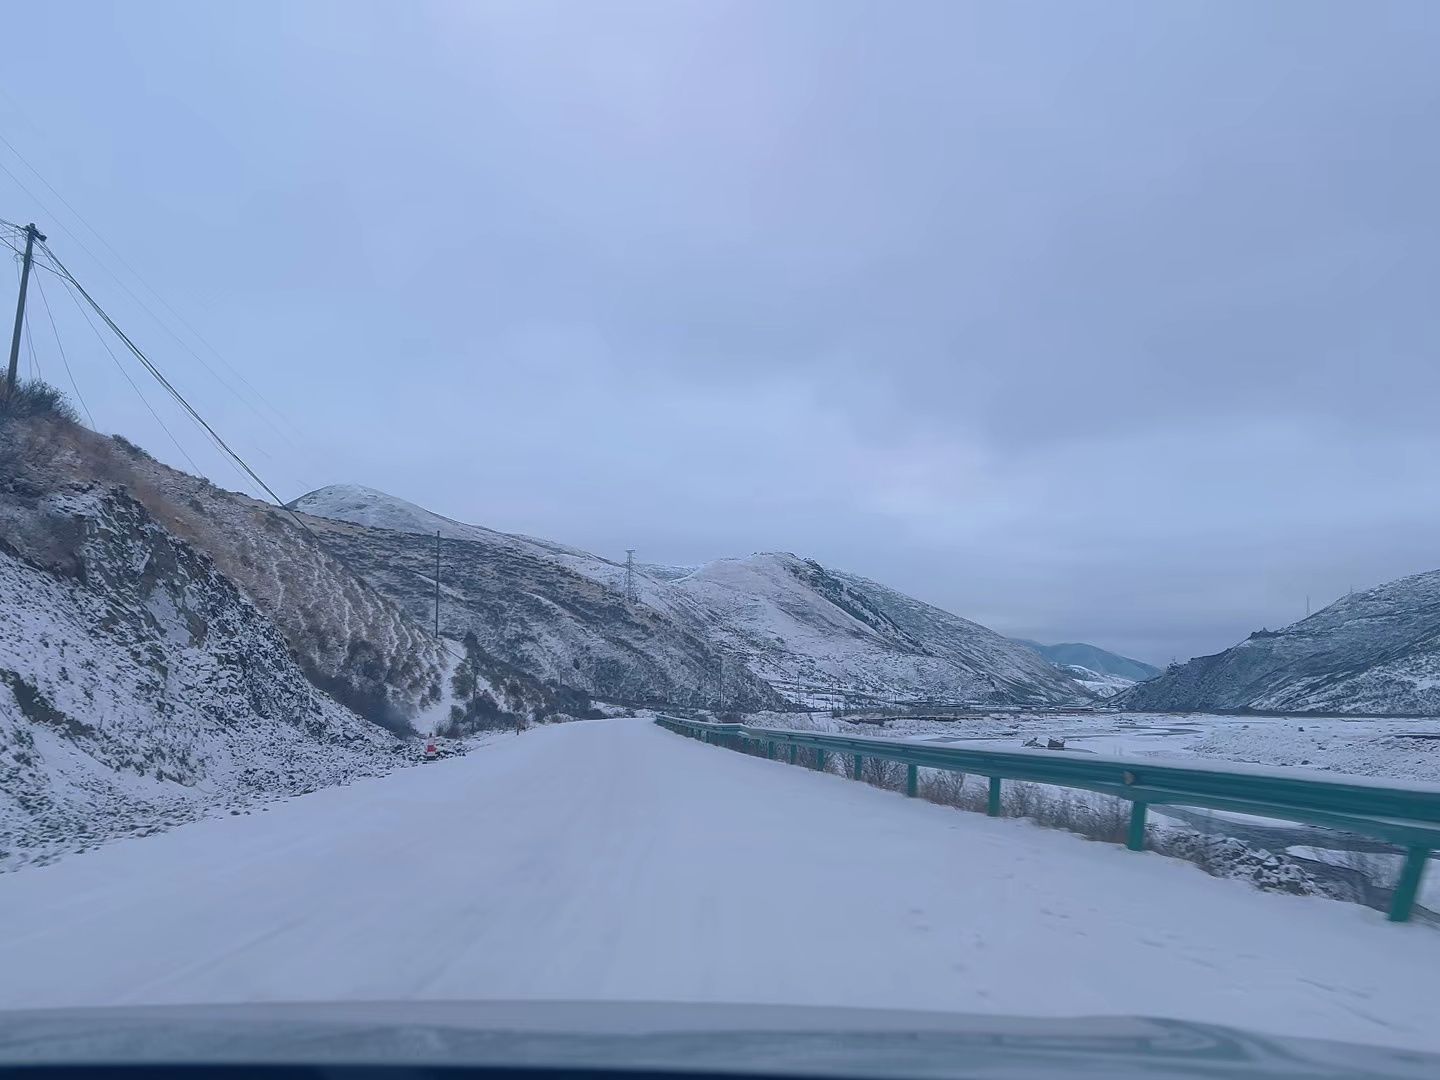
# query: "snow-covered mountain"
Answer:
x=798 y=623
x=1375 y=652
x=556 y=612
x=1097 y=682
x=1095 y=660
x=767 y=621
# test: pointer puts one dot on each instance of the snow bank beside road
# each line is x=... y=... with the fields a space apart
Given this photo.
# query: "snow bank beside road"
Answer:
x=613 y=860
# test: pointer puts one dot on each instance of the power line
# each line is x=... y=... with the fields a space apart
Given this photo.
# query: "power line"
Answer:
x=72 y=286
x=128 y=291
x=126 y=375
x=148 y=287
x=68 y=282
x=159 y=377
x=119 y=257
x=44 y=300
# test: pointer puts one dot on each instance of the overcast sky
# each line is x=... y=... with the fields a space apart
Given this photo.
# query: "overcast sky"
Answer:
x=1115 y=322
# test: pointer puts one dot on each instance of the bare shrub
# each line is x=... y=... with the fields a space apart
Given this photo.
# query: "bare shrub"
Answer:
x=1096 y=817
x=133 y=450
x=949 y=789
x=1019 y=799
x=756 y=747
x=1109 y=818
x=35 y=398
x=883 y=773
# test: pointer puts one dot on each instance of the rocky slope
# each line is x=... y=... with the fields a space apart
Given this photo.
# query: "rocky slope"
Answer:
x=349 y=639
x=1375 y=653
x=557 y=613
x=167 y=647
x=737 y=629
x=139 y=686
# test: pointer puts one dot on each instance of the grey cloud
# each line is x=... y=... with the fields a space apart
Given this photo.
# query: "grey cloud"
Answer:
x=1090 y=321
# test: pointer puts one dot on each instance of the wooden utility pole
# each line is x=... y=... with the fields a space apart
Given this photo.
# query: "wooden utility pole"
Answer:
x=31 y=235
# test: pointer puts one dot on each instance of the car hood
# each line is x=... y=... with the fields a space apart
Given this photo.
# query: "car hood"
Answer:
x=784 y=1040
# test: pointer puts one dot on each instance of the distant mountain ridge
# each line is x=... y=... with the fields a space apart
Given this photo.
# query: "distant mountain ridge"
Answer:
x=1094 y=659
x=800 y=623
x=1375 y=652
x=745 y=631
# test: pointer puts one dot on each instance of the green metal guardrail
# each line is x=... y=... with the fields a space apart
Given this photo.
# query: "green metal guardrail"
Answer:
x=1406 y=816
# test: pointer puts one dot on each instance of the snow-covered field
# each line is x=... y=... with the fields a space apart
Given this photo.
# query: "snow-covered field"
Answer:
x=613 y=860
x=1362 y=746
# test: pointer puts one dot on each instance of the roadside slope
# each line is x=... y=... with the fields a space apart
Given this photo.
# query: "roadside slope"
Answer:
x=139 y=687
x=348 y=638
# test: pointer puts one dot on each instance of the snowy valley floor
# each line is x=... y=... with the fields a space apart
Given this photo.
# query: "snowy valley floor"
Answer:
x=1397 y=749
x=613 y=860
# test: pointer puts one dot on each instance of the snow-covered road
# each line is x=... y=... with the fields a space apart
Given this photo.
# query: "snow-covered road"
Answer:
x=614 y=860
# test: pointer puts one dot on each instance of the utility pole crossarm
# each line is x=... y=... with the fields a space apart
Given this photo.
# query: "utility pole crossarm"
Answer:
x=31 y=235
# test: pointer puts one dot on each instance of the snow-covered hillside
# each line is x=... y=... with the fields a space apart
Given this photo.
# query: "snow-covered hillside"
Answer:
x=797 y=622
x=350 y=639
x=1097 y=682
x=1075 y=654
x=768 y=620
x=545 y=609
x=1374 y=653
x=139 y=687
x=361 y=505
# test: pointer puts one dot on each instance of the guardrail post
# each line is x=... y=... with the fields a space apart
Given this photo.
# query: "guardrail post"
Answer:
x=1409 y=884
x=794 y=753
x=912 y=780
x=992 y=806
x=820 y=760
x=770 y=749
x=859 y=764
x=1135 y=839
